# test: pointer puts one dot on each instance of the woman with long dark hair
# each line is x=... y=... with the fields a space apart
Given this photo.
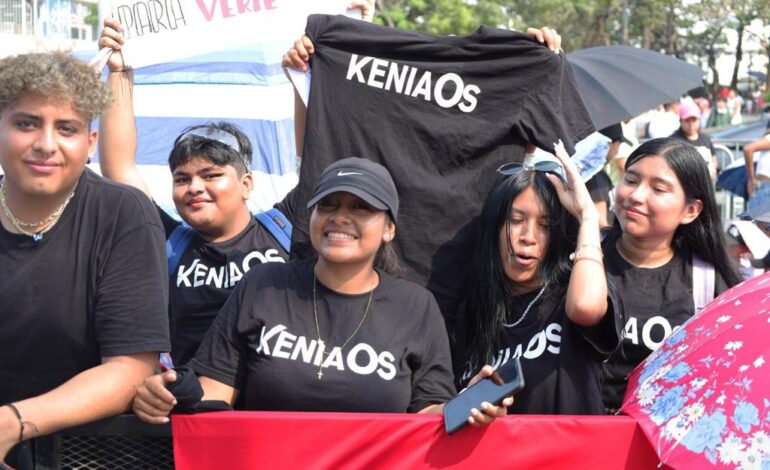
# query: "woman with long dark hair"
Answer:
x=666 y=253
x=531 y=299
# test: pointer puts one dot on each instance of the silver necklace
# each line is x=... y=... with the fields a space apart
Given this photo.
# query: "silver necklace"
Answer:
x=526 y=310
x=326 y=354
x=49 y=221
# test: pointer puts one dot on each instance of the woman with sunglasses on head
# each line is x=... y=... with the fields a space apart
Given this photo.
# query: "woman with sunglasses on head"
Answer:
x=337 y=333
x=531 y=299
x=666 y=253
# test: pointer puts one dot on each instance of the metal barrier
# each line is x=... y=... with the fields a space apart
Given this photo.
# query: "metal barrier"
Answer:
x=122 y=442
x=729 y=146
x=725 y=156
x=730 y=205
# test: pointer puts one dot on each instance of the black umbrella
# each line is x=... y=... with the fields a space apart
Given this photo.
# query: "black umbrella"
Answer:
x=621 y=82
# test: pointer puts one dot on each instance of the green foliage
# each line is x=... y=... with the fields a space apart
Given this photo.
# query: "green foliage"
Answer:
x=440 y=17
x=93 y=15
x=685 y=28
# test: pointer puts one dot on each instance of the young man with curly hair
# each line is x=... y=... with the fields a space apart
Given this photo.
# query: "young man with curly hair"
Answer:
x=83 y=287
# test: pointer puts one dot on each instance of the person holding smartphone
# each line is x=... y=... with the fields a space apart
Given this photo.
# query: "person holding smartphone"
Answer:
x=531 y=299
x=337 y=333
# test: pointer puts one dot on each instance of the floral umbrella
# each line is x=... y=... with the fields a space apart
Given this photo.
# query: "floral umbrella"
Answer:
x=703 y=398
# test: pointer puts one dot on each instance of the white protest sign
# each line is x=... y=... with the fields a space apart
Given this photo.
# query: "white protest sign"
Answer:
x=159 y=31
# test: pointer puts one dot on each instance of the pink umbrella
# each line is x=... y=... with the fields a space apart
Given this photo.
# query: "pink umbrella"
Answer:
x=703 y=398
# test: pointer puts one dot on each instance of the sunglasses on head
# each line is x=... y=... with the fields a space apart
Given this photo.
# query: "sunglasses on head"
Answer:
x=544 y=166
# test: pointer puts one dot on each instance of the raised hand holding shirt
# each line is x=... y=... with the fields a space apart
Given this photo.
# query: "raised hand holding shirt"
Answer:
x=442 y=114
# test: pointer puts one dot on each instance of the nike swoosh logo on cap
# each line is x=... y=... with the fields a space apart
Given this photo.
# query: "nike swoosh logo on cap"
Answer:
x=347 y=173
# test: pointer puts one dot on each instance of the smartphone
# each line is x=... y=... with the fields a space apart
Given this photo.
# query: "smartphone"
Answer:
x=507 y=380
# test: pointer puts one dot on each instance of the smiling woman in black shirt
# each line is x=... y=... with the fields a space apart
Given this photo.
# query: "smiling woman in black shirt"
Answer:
x=667 y=235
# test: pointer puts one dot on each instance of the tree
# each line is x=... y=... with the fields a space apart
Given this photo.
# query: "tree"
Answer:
x=93 y=15
x=581 y=24
x=743 y=12
x=647 y=20
x=440 y=17
x=705 y=25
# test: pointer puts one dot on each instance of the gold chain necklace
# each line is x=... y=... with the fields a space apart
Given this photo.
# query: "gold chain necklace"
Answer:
x=20 y=226
x=326 y=354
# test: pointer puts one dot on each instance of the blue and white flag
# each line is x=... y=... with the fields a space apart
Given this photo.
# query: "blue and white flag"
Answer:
x=244 y=85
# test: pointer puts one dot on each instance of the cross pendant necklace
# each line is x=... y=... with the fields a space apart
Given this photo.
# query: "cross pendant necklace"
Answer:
x=325 y=355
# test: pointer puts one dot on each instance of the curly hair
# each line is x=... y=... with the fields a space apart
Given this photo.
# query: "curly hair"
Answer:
x=56 y=75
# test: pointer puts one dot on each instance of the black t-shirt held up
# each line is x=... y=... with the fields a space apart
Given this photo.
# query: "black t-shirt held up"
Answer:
x=93 y=287
x=442 y=114
x=265 y=344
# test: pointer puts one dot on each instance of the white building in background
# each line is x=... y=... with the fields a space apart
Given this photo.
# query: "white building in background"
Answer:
x=37 y=25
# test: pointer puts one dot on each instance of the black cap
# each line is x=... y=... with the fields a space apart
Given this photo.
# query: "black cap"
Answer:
x=364 y=178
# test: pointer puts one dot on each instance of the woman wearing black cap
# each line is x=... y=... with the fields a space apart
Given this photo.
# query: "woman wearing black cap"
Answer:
x=335 y=334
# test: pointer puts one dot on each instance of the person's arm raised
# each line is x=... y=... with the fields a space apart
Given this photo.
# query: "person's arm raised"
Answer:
x=297 y=58
x=117 y=129
x=748 y=155
x=586 y=302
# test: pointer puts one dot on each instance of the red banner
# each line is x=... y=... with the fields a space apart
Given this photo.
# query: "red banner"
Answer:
x=287 y=441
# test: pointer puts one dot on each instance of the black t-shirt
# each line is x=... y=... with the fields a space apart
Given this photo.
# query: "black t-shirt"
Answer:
x=702 y=144
x=442 y=114
x=613 y=132
x=208 y=272
x=265 y=344
x=93 y=287
x=561 y=361
x=657 y=301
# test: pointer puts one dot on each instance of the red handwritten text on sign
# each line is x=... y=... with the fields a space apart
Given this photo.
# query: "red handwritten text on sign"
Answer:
x=230 y=8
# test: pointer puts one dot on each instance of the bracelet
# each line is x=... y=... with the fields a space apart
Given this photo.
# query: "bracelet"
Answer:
x=18 y=416
x=125 y=69
x=577 y=254
x=588 y=258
